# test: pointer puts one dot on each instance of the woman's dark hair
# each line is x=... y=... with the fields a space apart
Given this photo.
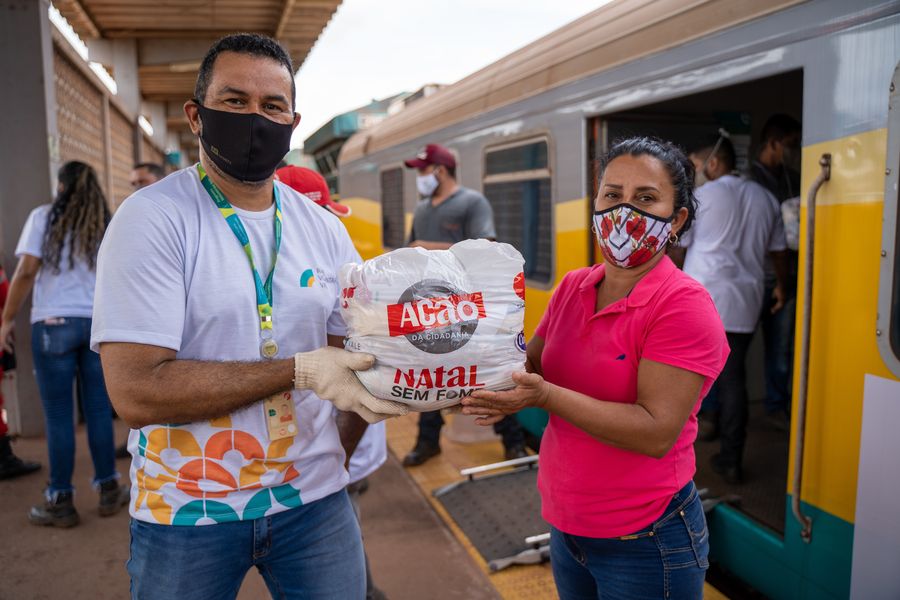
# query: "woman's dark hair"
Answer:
x=680 y=168
x=78 y=217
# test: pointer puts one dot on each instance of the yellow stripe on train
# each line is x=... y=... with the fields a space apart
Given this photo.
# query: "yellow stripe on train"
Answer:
x=845 y=289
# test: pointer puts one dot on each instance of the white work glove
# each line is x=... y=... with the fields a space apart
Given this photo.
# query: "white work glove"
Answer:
x=329 y=372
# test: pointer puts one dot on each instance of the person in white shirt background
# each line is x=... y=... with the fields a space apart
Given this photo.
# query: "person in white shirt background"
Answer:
x=217 y=320
x=738 y=224
x=57 y=254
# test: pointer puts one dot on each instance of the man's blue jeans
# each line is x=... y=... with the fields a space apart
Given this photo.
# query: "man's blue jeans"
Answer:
x=61 y=348
x=667 y=559
x=312 y=552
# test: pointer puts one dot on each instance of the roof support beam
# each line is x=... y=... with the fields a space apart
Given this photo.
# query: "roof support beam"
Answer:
x=84 y=16
x=155 y=51
x=285 y=17
x=165 y=33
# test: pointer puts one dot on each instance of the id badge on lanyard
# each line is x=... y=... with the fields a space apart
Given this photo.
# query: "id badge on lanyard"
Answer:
x=278 y=409
x=280 y=417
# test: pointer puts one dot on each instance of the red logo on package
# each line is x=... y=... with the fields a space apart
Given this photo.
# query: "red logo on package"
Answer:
x=436 y=316
x=434 y=313
x=519 y=285
x=346 y=294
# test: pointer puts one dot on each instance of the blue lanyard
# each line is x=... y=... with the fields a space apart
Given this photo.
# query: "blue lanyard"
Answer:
x=264 y=296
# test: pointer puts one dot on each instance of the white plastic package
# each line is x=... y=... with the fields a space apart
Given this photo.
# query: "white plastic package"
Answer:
x=441 y=323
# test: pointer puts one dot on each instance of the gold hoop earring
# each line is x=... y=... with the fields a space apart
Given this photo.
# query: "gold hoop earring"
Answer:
x=594 y=229
x=673 y=238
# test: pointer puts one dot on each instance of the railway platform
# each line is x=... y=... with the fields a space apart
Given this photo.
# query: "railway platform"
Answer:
x=415 y=549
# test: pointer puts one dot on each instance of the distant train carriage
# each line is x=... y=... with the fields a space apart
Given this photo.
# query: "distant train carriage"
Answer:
x=526 y=131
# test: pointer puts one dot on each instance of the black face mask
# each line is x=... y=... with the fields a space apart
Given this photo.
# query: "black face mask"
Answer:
x=246 y=146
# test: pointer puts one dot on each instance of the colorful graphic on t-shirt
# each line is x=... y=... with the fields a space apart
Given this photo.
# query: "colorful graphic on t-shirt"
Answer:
x=230 y=460
x=307 y=278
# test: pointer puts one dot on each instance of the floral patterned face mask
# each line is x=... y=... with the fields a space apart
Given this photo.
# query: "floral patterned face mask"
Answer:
x=629 y=236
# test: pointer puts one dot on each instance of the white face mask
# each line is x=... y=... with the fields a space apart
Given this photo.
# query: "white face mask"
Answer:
x=427 y=184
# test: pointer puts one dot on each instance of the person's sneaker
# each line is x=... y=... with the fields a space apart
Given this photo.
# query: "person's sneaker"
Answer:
x=731 y=473
x=58 y=510
x=13 y=466
x=420 y=454
x=112 y=498
x=515 y=451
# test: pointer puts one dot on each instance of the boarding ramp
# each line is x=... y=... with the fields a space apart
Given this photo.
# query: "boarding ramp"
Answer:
x=498 y=508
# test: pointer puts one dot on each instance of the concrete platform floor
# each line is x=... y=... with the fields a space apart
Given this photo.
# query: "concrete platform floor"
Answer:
x=413 y=554
x=415 y=550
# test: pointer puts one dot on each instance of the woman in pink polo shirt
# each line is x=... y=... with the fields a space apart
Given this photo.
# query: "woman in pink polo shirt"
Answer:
x=621 y=359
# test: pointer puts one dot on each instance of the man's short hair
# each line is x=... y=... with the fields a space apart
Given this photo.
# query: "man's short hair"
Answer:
x=778 y=127
x=253 y=44
x=152 y=168
x=725 y=152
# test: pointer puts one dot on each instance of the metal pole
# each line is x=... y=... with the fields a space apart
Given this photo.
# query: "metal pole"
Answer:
x=803 y=391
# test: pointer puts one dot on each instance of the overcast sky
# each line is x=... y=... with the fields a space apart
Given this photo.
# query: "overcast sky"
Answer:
x=377 y=48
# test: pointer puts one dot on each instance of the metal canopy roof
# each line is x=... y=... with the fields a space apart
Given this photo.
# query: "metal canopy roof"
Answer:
x=173 y=35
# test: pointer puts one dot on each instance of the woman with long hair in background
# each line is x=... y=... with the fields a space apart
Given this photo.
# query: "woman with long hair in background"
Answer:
x=57 y=254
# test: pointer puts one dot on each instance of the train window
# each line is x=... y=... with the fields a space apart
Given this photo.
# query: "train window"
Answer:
x=888 y=320
x=392 y=216
x=517 y=184
x=517 y=158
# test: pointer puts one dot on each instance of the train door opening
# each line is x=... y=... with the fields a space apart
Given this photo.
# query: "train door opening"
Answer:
x=741 y=110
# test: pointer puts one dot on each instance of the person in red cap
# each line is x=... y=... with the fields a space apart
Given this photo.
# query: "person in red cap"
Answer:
x=450 y=213
x=313 y=186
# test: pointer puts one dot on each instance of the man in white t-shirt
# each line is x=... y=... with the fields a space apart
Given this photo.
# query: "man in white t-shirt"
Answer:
x=738 y=223
x=216 y=318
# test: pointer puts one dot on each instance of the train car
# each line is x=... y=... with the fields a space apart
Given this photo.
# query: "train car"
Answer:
x=816 y=518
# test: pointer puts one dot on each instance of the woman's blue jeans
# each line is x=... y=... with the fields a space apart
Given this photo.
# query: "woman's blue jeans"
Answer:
x=61 y=349
x=667 y=559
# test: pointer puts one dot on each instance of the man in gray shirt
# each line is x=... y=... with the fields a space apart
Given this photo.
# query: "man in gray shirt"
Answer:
x=450 y=213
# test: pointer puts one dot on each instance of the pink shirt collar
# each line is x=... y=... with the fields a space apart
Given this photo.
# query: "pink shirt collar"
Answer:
x=639 y=296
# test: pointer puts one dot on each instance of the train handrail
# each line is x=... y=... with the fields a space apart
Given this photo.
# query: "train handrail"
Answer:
x=803 y=390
